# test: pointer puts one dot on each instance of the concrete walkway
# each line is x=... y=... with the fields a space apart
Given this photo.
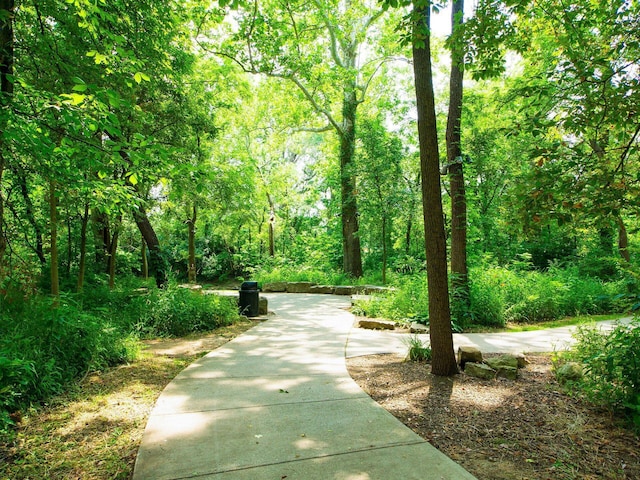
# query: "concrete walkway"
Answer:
x=371 y=342
x=278 y=403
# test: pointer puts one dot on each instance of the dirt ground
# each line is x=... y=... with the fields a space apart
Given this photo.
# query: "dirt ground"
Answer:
x=501 y=429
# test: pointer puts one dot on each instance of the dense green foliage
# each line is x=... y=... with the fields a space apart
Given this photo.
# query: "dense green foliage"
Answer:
x=44 y=347
x=274 y=140
x=611 y=360
x=515 y=293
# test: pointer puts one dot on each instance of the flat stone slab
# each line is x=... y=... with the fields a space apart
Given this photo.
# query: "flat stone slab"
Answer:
x=323 y=289
x=275 y=287
x=376 y=324
x=344 y=290
x=416 y=327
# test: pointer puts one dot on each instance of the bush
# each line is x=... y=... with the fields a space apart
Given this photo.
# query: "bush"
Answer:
x=408 y=301
x=612 y=367
x=177 y=311
x=44 y=347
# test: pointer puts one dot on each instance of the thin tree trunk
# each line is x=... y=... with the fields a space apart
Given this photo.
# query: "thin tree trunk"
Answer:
x=113 y=250
x=158 y=264
x=53 y=216
x=459 y=273
x=352 y=258
x=29 y=210
x=192 y=245
x=407 y=238
x=83 y=248
x=102 y=235
x=272 y=219
x=145 y=263
x=6 y=92
x=443 y=360
x=272 y=242
x=69 y=243
x=384 y=249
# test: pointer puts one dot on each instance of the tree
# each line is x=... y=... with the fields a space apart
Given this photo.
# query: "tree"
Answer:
x=6 y=92
x=580 y=94
x=459 y=273
x=298 y=43
x=443 y=361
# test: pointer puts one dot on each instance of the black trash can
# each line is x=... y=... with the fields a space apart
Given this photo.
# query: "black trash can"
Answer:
x=249 y=301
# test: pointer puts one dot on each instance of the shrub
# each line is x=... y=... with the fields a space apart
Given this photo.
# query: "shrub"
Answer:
x=44 y=347
x=487 y=303
x=612 y=366
x=408 y=301
x=177 y=311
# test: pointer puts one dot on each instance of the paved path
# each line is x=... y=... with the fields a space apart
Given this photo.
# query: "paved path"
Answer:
x=369 y=342
x=278 y=403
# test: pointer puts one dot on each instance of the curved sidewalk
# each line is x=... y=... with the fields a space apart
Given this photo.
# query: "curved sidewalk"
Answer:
x=278 y=403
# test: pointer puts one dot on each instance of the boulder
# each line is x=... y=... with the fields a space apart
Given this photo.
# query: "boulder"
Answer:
x=502 y=361
x=376 y=324
x=299 y=287
x=480 y=370
x=275 y=287
x=324 y=289
x=468 y=353
x=510 y=373
x=570 y=371
x=263 y=306
x=416 y=327
x=522 y=360
x=344 y=290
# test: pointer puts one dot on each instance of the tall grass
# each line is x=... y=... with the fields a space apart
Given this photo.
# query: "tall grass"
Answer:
x=45 y=345
x=498 y=295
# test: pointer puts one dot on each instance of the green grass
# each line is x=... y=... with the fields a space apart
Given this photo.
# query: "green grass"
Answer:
x=563 y=322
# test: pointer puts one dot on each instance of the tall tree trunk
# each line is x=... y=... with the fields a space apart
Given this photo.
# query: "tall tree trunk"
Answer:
x=102 y=236
x=443 y=360
x=158 y=264
x=407 y=236
x=69 y=243
x=53 y=216
x=459 y=273
x=83 y=248
x=192 y=245
x=352 y=257
x=272 y=241
x=623 y=240
x=6 y=92
x=272 y=219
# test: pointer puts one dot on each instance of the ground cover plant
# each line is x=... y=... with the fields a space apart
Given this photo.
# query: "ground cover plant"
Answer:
x=47 y=344
x=93 y=430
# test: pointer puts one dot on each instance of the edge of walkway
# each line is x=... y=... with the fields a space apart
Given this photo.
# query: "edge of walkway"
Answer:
x=278 y=402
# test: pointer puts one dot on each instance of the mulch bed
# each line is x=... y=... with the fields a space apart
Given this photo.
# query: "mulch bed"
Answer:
x=501 y=429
